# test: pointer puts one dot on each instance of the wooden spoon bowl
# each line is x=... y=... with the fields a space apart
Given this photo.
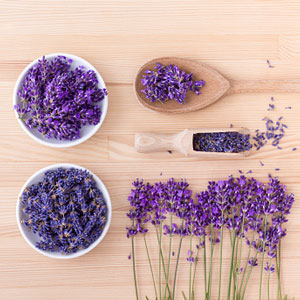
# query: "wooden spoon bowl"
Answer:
x=216 y=86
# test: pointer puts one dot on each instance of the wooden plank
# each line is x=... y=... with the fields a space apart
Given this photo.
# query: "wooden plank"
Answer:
x=235 y=37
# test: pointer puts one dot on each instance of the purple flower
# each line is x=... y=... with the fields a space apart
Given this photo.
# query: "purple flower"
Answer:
x=252 y=262
x=269 y=267
x=169 y=82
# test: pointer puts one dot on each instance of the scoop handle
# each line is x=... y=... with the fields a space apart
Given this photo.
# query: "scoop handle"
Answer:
x=146 y=142
x=263 y=86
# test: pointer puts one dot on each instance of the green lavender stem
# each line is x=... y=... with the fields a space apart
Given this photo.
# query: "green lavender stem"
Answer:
x=249 y=273
x=211 y=262
x=269 y=284
x=133 y=266
x=162 y=260
x=262 y=259
x=204 y=268
x=235 y=267
x=221 y=257
x=244 y=271
x=176 y=268
x=195 y=268
x=169 y=258
x=239 y=260
x=150 y=265
x=231 y=265
x=190 y=275
x=278 y=259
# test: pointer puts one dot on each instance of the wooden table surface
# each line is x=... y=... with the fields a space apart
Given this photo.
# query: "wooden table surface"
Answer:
x=234 y=36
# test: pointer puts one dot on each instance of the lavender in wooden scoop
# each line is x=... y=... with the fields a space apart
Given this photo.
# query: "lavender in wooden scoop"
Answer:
x=229 y=141
x=218 y=142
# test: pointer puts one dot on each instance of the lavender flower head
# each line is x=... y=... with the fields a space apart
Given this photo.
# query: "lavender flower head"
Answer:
x=66 y=210
x=169 y=82
x=58 y=101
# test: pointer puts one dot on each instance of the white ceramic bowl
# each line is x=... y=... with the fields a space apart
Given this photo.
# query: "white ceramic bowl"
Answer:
x=32 y=238
x=86 y=131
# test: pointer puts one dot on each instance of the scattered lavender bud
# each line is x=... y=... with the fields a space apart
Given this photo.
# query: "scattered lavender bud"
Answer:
x=129 y=257
x=240 y=171
x=261 y=163
x=272 y=98
x=288 y=107
x=233 y=142
x=173 y=253
x=170 y=151
x=271 y=107
x=249 y=172
x=294 y=149
x=58 y=101
x=277 y=169
x=269 y=64
x=169 y=82
x=231 y=125
x=160 y=173
x=274 y=133
x=278 y=147
x=66 y=210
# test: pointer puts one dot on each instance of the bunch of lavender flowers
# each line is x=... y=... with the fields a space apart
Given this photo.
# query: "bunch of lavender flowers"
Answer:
x=169 y=82
x=66 y=210
x=252 y=211
x=57 y=101
x=150 y=204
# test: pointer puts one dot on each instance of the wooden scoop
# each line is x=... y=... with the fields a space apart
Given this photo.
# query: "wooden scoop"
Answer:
x=216 y=86
x=182 y=142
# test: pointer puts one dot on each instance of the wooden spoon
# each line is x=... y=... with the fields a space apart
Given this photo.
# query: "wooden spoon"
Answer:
x=216 y=86
x=182 y=142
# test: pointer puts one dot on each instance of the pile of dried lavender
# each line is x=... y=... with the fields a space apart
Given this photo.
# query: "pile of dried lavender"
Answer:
x=66 y=209
x=253 y=212
x=58 y=101
x=231 y=141
x=169 y=82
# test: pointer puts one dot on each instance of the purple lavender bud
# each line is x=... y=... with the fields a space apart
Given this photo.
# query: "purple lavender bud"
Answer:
x=169 y=82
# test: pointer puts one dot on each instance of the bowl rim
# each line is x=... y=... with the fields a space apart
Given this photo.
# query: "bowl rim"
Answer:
x=106 y=197
x=64 y=144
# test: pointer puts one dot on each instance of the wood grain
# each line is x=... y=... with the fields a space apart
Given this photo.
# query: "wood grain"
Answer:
x=117 y=37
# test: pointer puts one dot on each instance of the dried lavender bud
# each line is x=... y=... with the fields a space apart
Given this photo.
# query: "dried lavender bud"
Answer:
x=261 y=163
x=170 y=152
x=269 y=64
x=271 y=107
x=274 y=133
x=288 y=107
x=66 y=210
x=294 y=149
x=233 y=142
x=169 y=82
x=58 y=101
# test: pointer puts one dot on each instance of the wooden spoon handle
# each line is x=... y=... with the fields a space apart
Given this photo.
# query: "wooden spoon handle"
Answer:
x=154 y=142
x=263 y=86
